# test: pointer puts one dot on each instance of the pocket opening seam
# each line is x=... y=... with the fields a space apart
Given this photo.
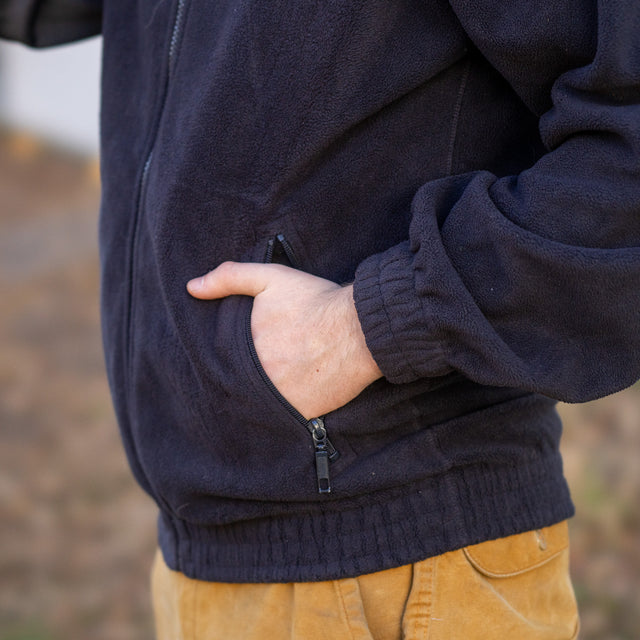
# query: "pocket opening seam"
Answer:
x=476 y=564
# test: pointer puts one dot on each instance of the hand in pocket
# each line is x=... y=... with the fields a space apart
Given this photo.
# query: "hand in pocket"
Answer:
x=305 y=330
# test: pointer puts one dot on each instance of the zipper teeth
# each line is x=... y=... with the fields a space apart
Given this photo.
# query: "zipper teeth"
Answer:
x=177 y=23
x=272 y=387
x=268 y=257
x=133 y=253
x=307 y=424
x=176 y=32
x=288 y=251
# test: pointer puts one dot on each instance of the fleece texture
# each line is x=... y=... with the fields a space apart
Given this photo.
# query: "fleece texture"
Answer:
x=473 y=168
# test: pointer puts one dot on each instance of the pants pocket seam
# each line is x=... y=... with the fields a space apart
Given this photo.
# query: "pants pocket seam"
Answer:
x=490 y=574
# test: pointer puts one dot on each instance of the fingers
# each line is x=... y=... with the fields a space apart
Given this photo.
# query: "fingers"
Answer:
x=231 y=278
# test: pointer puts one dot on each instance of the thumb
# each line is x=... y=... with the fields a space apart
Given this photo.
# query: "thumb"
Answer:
x=231 y=278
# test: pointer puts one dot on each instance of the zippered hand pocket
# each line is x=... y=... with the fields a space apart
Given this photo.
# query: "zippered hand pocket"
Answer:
x=280 y=251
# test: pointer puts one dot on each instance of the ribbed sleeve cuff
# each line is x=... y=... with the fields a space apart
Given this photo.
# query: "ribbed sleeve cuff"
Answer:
x=398 y=331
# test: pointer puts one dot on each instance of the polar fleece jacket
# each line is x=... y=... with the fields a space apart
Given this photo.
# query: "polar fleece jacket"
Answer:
x=472 y=167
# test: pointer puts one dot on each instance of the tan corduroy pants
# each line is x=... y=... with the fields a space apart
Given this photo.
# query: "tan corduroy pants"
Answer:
x=515 y=588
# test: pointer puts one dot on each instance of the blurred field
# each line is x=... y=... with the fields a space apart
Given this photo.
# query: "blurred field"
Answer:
x=77 y=535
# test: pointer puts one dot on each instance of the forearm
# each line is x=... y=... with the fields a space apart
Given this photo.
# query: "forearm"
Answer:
x=531 y=280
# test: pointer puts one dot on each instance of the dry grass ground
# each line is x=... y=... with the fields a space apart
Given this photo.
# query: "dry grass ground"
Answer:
x=77 y=536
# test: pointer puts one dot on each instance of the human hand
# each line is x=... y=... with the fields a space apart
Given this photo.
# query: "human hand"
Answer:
x=305 y=330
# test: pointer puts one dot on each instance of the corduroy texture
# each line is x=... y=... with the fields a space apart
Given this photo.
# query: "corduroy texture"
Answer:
x=515 y=587
x=474 y=169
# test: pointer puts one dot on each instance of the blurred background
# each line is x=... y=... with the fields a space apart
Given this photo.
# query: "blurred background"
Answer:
x=77 y=536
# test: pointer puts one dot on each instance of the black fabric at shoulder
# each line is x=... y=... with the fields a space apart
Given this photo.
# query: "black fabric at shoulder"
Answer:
x=60 y=21
x=16 y=18
x=532 y=42
x=43 y=23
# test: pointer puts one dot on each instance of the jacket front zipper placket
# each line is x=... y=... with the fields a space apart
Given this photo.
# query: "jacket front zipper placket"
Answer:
x=141 y=194
x=324 y=450
x=142 y=185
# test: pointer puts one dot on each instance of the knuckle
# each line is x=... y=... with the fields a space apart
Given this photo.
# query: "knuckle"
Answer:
x=226 y=271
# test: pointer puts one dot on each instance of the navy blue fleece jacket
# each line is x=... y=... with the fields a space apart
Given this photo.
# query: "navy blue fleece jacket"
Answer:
x=473 y=168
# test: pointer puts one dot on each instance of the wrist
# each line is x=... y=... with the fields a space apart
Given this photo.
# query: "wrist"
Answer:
x=367 y=367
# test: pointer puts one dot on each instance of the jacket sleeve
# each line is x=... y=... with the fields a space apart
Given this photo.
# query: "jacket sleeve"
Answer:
x=43 y=23
x=532 y=280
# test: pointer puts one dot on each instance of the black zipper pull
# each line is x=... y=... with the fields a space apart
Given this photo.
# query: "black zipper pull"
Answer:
x=322 y=446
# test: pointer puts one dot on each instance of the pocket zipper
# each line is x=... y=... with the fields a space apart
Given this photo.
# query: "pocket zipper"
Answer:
x=279 y=251
x=323 y=449
x=325 y=452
